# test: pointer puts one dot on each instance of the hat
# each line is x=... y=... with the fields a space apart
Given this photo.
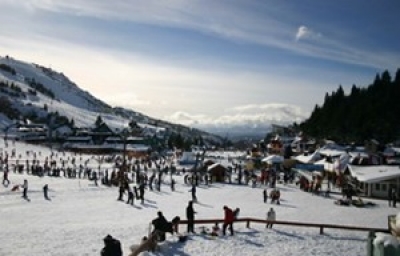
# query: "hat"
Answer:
x=108 y=238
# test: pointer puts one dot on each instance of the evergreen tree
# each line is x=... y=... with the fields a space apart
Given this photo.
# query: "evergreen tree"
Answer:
x=99 y=121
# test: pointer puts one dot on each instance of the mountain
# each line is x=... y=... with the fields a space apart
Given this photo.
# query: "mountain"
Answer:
x=253 y=121
x=29 y=91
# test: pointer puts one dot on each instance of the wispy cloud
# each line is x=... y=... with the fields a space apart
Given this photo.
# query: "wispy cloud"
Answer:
x=199 y=90
x=304 y=32
x=250 y=22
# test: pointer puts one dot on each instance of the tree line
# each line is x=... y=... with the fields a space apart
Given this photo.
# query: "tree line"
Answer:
x=370 y=112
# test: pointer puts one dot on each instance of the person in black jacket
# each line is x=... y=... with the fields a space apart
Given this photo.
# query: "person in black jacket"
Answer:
x=112 y=247
x=190 y=217
x=141 y=192
x=161 y=225
x=45 y=192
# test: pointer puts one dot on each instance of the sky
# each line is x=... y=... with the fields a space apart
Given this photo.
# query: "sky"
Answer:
x=205 y=62
x=79 y=215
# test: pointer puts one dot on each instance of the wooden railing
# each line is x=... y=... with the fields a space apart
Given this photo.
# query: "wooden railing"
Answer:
x=321 y=226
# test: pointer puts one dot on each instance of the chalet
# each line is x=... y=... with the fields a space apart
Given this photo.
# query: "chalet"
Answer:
x=61 y=132
x=101 y=132
x=29 y=132
x=217 y=172
x=375 y=180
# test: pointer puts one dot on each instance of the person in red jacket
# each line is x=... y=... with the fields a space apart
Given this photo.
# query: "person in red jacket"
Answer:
x=228 y=220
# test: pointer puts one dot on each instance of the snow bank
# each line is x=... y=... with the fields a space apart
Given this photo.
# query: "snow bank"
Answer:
x=386 y=239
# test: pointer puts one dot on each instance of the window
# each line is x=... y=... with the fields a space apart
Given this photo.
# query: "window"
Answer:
x=384 y=187
x=377 y=186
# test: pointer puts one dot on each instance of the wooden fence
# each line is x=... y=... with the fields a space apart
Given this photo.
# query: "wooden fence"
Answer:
x=321 y=226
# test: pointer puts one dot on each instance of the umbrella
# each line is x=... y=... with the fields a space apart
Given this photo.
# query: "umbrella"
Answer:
x=273 y=159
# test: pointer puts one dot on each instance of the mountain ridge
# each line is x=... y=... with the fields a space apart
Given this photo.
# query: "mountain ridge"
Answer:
x=32 y=91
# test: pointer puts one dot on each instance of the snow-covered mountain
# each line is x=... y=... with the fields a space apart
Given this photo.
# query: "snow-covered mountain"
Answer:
x=31 y=91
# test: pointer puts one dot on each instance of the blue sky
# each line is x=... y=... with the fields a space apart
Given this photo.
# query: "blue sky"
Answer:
x=207 y=62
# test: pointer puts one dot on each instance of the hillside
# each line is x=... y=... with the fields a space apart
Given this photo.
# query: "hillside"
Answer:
x=29 y=91
x=366 y=113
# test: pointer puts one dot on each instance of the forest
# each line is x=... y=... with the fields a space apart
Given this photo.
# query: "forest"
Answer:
x=371 y=112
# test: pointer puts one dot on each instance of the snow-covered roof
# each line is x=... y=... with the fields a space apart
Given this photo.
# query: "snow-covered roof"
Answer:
x=327 y=165
x=214 y=165
x=331 y=152
x=391 y=151
x=374 y=173
x=311 y=158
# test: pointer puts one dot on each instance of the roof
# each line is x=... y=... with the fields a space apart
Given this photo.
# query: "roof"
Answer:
x=331 y=152
x=310 y=158
x=215 y=165
x=374 y=173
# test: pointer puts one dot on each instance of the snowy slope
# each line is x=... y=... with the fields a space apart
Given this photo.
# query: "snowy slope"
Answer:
x=64 y=90
x=80 y=214
x=69 y=100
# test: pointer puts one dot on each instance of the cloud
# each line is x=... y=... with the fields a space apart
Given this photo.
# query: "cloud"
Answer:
x=236 y=20
x=263 y=114
x=304 y=32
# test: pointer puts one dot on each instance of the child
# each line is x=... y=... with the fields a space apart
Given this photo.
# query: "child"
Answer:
x=215 y=229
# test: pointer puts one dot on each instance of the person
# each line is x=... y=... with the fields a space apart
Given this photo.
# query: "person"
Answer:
x=173 y=182
x=394 y=198
x=228 y=220
x=45 y=192
x=130 y=196
x=271 y=216
x=265 y=194
x=390 y=194
x=112 y=247
x=160 y=225
x=215 y=229
x=5 y=178
x=25 y=191
x=141 y=192
x=236 y=213
x=121 y=192
x=190 y=217
x=193 y=190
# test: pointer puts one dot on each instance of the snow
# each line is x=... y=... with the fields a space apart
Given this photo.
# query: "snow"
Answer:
x=80 y=214
x=374 y=173
x=70 y=101
x=386 y=239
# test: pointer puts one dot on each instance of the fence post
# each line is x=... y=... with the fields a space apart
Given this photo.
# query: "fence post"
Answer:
x=248 y=223
x=321 y=230
x=370 y=240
